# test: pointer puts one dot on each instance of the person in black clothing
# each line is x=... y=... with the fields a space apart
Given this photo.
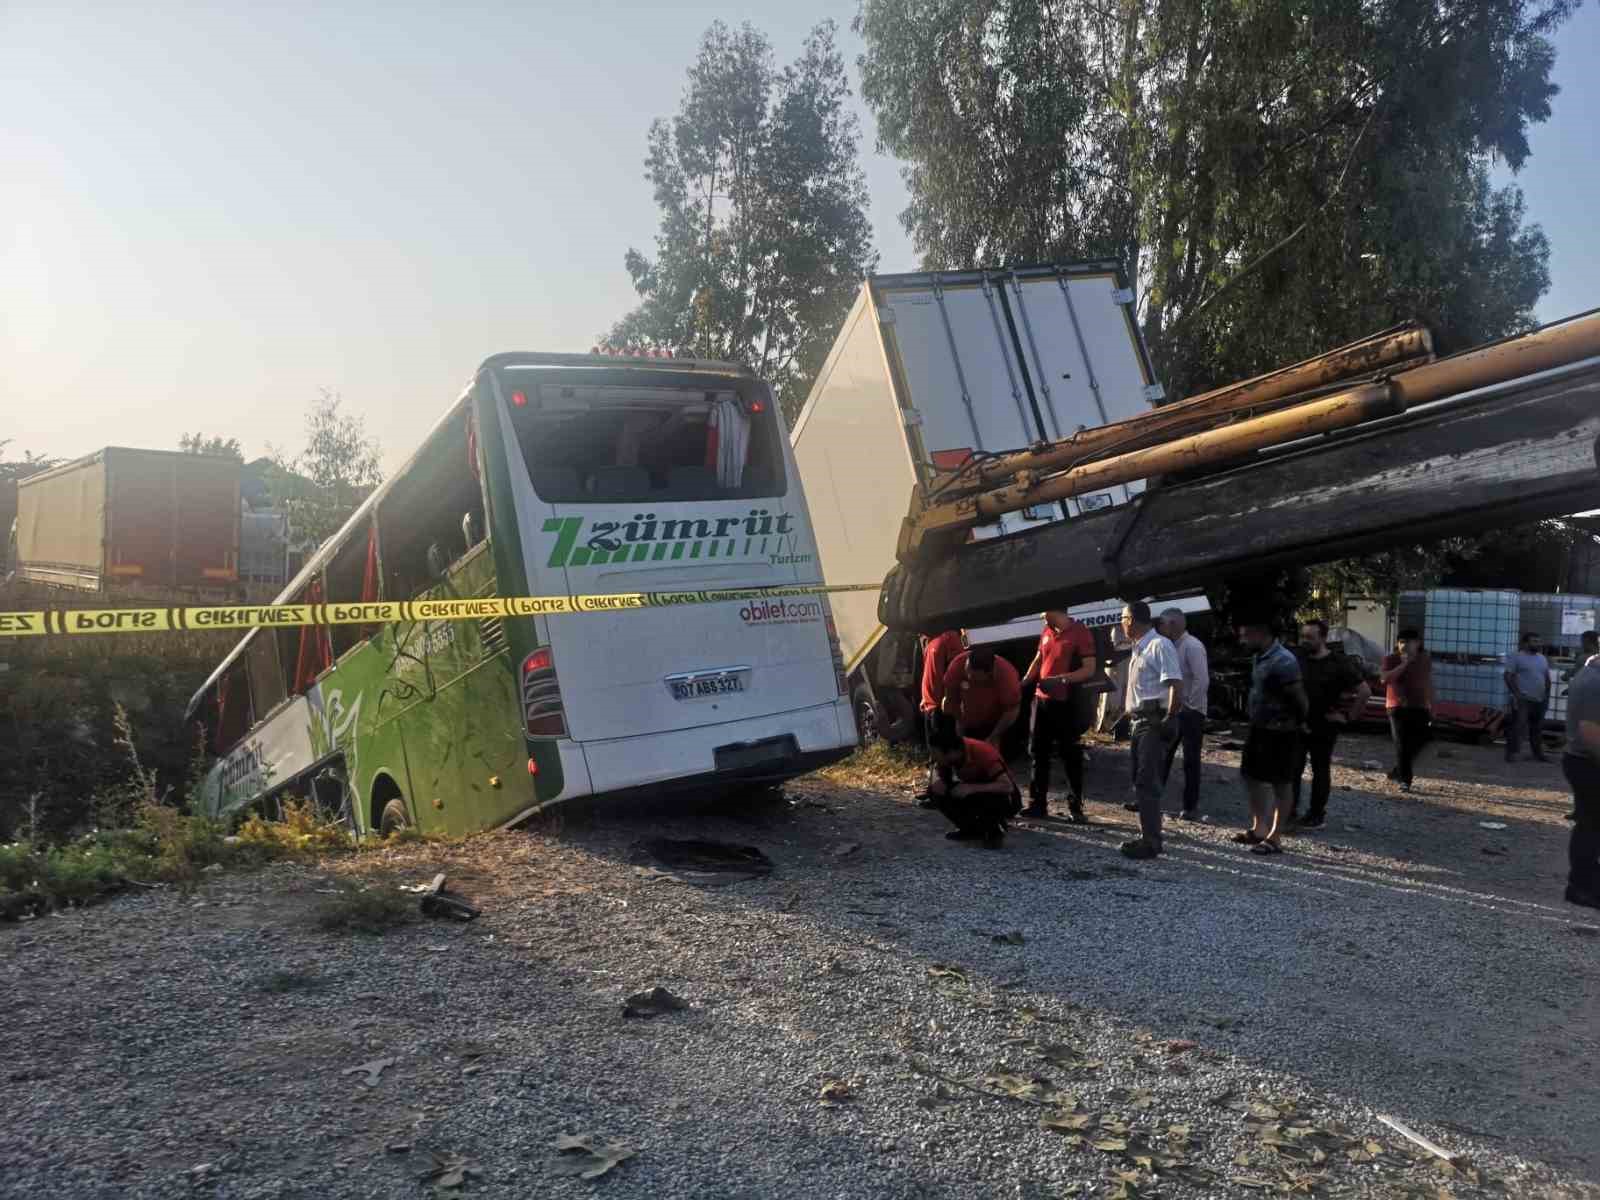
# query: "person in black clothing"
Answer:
x=1336 y=686
x=1064 y=663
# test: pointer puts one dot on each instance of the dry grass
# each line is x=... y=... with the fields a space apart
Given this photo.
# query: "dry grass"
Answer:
x=879 y=765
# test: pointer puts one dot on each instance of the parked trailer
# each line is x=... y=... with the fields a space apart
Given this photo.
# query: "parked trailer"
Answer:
x=131 y=519
x=8 y=522
x=929 y=370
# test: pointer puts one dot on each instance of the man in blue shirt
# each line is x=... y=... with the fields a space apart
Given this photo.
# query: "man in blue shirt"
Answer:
x=1528 y=679
x=1271 y=761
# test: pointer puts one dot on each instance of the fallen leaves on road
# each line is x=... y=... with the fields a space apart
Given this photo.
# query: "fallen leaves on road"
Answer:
x=587 y=1157
x=449 y=1173
x=1035 y=1089
x=1063 y=1054
x=1067 y=1122
x=835 y=1092
x=371 y=1070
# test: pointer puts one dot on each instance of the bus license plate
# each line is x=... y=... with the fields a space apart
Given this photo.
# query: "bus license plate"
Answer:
x=706 y=685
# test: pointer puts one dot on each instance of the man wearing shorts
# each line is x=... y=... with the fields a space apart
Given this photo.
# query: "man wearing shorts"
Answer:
x=1272 y=751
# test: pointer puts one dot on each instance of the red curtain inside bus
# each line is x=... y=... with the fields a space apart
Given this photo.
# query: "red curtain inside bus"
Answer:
x=316 y=648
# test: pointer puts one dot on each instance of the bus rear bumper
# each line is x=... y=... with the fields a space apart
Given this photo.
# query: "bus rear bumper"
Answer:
x=759 y=750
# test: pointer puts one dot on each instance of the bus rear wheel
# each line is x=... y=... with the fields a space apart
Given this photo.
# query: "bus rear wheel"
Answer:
x=395 y=818
x=866 y=714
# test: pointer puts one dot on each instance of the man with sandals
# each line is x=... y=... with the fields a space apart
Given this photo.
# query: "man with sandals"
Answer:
x=1273 y=750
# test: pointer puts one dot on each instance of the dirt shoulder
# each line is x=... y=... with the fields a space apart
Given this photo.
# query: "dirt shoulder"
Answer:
x=886 y=1014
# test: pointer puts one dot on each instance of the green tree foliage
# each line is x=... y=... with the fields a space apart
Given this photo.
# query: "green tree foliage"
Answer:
x=1280 y=177
x=763 y=233
x=322 y=485
x=1534 y=557
x=1327 y=586
x=217 y=447
x=29 y=464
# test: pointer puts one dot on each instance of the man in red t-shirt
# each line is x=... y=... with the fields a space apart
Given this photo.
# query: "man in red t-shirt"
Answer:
x=1407 y=678
x=937 y=655
x=973 y=788
x=983 y=693
x=1066 y=658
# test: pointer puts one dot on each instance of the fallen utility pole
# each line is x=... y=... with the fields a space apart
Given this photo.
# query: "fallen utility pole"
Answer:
x=1404 y=345
x=1521 y=450
x=921 y=538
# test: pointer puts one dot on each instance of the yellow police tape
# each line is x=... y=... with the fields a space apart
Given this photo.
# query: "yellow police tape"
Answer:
x=157 y=620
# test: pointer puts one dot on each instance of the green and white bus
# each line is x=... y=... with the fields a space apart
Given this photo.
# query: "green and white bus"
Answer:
x=551 y=474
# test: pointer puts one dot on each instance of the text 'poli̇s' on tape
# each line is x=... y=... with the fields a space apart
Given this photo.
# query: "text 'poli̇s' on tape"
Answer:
x=44 y=622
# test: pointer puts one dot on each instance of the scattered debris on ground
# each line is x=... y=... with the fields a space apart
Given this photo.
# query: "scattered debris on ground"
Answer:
x=706 y=862
x=437 y=902
x=652 y=1003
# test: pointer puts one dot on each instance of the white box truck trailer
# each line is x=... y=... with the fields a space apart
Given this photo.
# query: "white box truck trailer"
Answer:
x=928 y=370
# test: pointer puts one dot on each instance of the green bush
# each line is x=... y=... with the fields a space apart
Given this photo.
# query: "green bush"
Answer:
x=20 y=865
x=301 y=828
x=61 y=767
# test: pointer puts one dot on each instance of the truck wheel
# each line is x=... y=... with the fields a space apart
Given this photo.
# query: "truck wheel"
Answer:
x=866 y=714
x=395 y=818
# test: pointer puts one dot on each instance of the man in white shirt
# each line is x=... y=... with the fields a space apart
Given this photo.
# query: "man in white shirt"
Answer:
x=1528 y=677
x=1154 y=677
x=1195 y=695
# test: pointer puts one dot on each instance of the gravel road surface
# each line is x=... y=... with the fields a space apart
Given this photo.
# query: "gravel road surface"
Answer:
x=887 y=1014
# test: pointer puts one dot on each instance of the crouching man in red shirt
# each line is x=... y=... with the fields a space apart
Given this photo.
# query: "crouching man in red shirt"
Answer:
x=972 y=786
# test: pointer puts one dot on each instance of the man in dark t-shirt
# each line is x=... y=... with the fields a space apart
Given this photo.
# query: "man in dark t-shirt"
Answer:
x=1581 y=763
x=1336 y=686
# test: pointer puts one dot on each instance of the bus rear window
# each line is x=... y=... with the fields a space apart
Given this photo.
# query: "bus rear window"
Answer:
x=640 y=443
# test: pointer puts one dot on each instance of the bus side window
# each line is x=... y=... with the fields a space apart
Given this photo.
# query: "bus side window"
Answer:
x=436 y=505
x=304 y=651
x=267 y=684
x=234 y=712
x=205 y=722
x=352 y=577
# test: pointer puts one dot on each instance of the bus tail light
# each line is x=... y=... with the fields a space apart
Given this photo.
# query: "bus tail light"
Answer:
x=541 y=696
x=834 y=648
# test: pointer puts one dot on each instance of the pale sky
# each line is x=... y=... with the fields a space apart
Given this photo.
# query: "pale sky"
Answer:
x=213 y=210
